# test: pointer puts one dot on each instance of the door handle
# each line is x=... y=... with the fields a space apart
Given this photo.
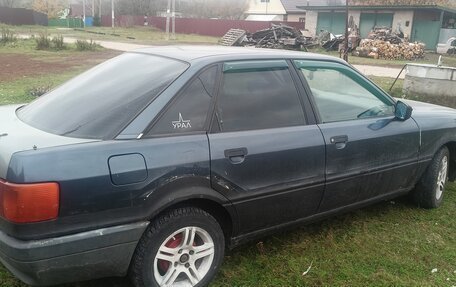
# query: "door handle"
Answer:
x=236 y=155
x=339 y=141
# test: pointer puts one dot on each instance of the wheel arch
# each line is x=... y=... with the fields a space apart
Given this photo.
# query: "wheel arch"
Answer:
x=194 y=193
x=452 y=149
x=218 y=211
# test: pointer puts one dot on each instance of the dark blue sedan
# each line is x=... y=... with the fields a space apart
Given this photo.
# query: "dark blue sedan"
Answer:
x=154 y=162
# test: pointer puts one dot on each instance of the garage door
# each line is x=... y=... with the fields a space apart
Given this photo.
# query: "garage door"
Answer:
x=370 y=20
x=333 y=22
x=426 y=29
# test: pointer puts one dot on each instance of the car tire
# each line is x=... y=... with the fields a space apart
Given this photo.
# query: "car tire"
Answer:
x=184 y=245
x=429 y=192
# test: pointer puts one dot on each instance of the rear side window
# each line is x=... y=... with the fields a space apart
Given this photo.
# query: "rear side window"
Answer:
x=102 y=101
x=257 y=95
x=188 y=113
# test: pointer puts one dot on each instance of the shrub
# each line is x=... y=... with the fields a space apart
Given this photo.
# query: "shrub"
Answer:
x=82 y=45
x=58 y=43
x=39 y=91
x=8 y=36
x=43 y=42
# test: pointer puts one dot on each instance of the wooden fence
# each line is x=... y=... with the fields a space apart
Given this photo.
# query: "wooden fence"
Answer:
x=19 y=16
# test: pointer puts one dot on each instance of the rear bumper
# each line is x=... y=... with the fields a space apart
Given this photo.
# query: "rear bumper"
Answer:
x=95 y=254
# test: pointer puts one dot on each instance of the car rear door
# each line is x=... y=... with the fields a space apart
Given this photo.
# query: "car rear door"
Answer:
x=369 y=153
x=266 y=157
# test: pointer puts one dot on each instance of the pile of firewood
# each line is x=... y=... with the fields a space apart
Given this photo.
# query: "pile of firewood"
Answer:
x=385 y=50
x=385 y=34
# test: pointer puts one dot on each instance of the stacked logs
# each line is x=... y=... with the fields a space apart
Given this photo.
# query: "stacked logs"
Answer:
x=385 y=50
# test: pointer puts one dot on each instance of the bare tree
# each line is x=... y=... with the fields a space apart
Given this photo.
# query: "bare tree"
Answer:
x=7 y=3
x=16 y=3
x=224 y=9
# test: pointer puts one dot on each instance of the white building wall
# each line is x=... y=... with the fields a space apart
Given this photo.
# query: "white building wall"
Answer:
x=311 y=22
x=296 y=17
x=402 y=17
x=356 y=16
x=273 y=7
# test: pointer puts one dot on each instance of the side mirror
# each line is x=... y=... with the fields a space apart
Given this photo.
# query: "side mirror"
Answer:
x=403 y=111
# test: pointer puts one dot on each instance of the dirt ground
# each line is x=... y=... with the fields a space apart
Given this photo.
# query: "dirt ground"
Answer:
x=17 y=66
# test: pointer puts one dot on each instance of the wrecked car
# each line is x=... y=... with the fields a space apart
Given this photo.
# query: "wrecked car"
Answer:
x=154 y=162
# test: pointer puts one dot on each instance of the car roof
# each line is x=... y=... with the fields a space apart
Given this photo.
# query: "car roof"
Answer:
x=211 y=53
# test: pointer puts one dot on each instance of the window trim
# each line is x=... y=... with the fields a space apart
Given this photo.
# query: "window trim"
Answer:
x=302 y=93
x=176 y=98
x=348 y=71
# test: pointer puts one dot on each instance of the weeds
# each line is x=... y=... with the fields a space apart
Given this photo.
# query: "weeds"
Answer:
x=7 y=36
x=58 y=43
x=82 y=45
x=43 y=42
x=37 y=92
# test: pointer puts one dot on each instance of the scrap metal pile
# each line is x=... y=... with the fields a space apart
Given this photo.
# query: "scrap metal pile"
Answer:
x=384 y=44
x=277 y=37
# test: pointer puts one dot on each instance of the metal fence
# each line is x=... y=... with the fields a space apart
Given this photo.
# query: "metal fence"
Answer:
x=69 y=23
x=207 y=27
x=19 y=16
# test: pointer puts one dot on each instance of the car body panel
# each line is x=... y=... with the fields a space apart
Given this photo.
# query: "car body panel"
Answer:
x=82 y=168
x=16 y=136
x=380 y=156
x=283 y=167
x=52 y=261
x=437 y=125
x=131 y=179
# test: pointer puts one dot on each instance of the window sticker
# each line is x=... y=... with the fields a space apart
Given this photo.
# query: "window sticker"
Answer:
x=181 y=123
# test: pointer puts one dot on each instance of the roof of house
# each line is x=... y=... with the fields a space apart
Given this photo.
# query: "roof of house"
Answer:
x=291 y=6
x=449 y=5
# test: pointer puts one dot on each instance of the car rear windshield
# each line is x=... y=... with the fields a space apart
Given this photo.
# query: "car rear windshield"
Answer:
x=101 y=102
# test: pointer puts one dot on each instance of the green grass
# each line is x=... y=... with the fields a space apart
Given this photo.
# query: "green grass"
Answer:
x=141 y=35
x=392 y=243
x=16 y=92
x=430 y=58
x=28 y=47
x=385 y=83
x=74 y=63
x=389 y=244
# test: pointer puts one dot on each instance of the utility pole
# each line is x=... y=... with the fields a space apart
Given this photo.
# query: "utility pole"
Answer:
x=168 y=12
x=112 y=13
x=93 y=8
x=84 y=13
x=346 y=33
x=99 y=10
x=69 y=12
x=173 y=35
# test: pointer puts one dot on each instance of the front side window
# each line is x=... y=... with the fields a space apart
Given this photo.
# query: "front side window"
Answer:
x=341 y=96
x=103 y=100
x=257 y=95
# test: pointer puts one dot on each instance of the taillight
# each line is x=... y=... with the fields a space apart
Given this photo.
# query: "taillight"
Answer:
x=27 y=203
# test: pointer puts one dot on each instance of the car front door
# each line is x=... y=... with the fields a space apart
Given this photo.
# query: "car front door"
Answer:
x=265 y=157
x=369 y=153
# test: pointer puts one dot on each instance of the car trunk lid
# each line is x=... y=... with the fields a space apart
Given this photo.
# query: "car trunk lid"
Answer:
x=16 y=136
